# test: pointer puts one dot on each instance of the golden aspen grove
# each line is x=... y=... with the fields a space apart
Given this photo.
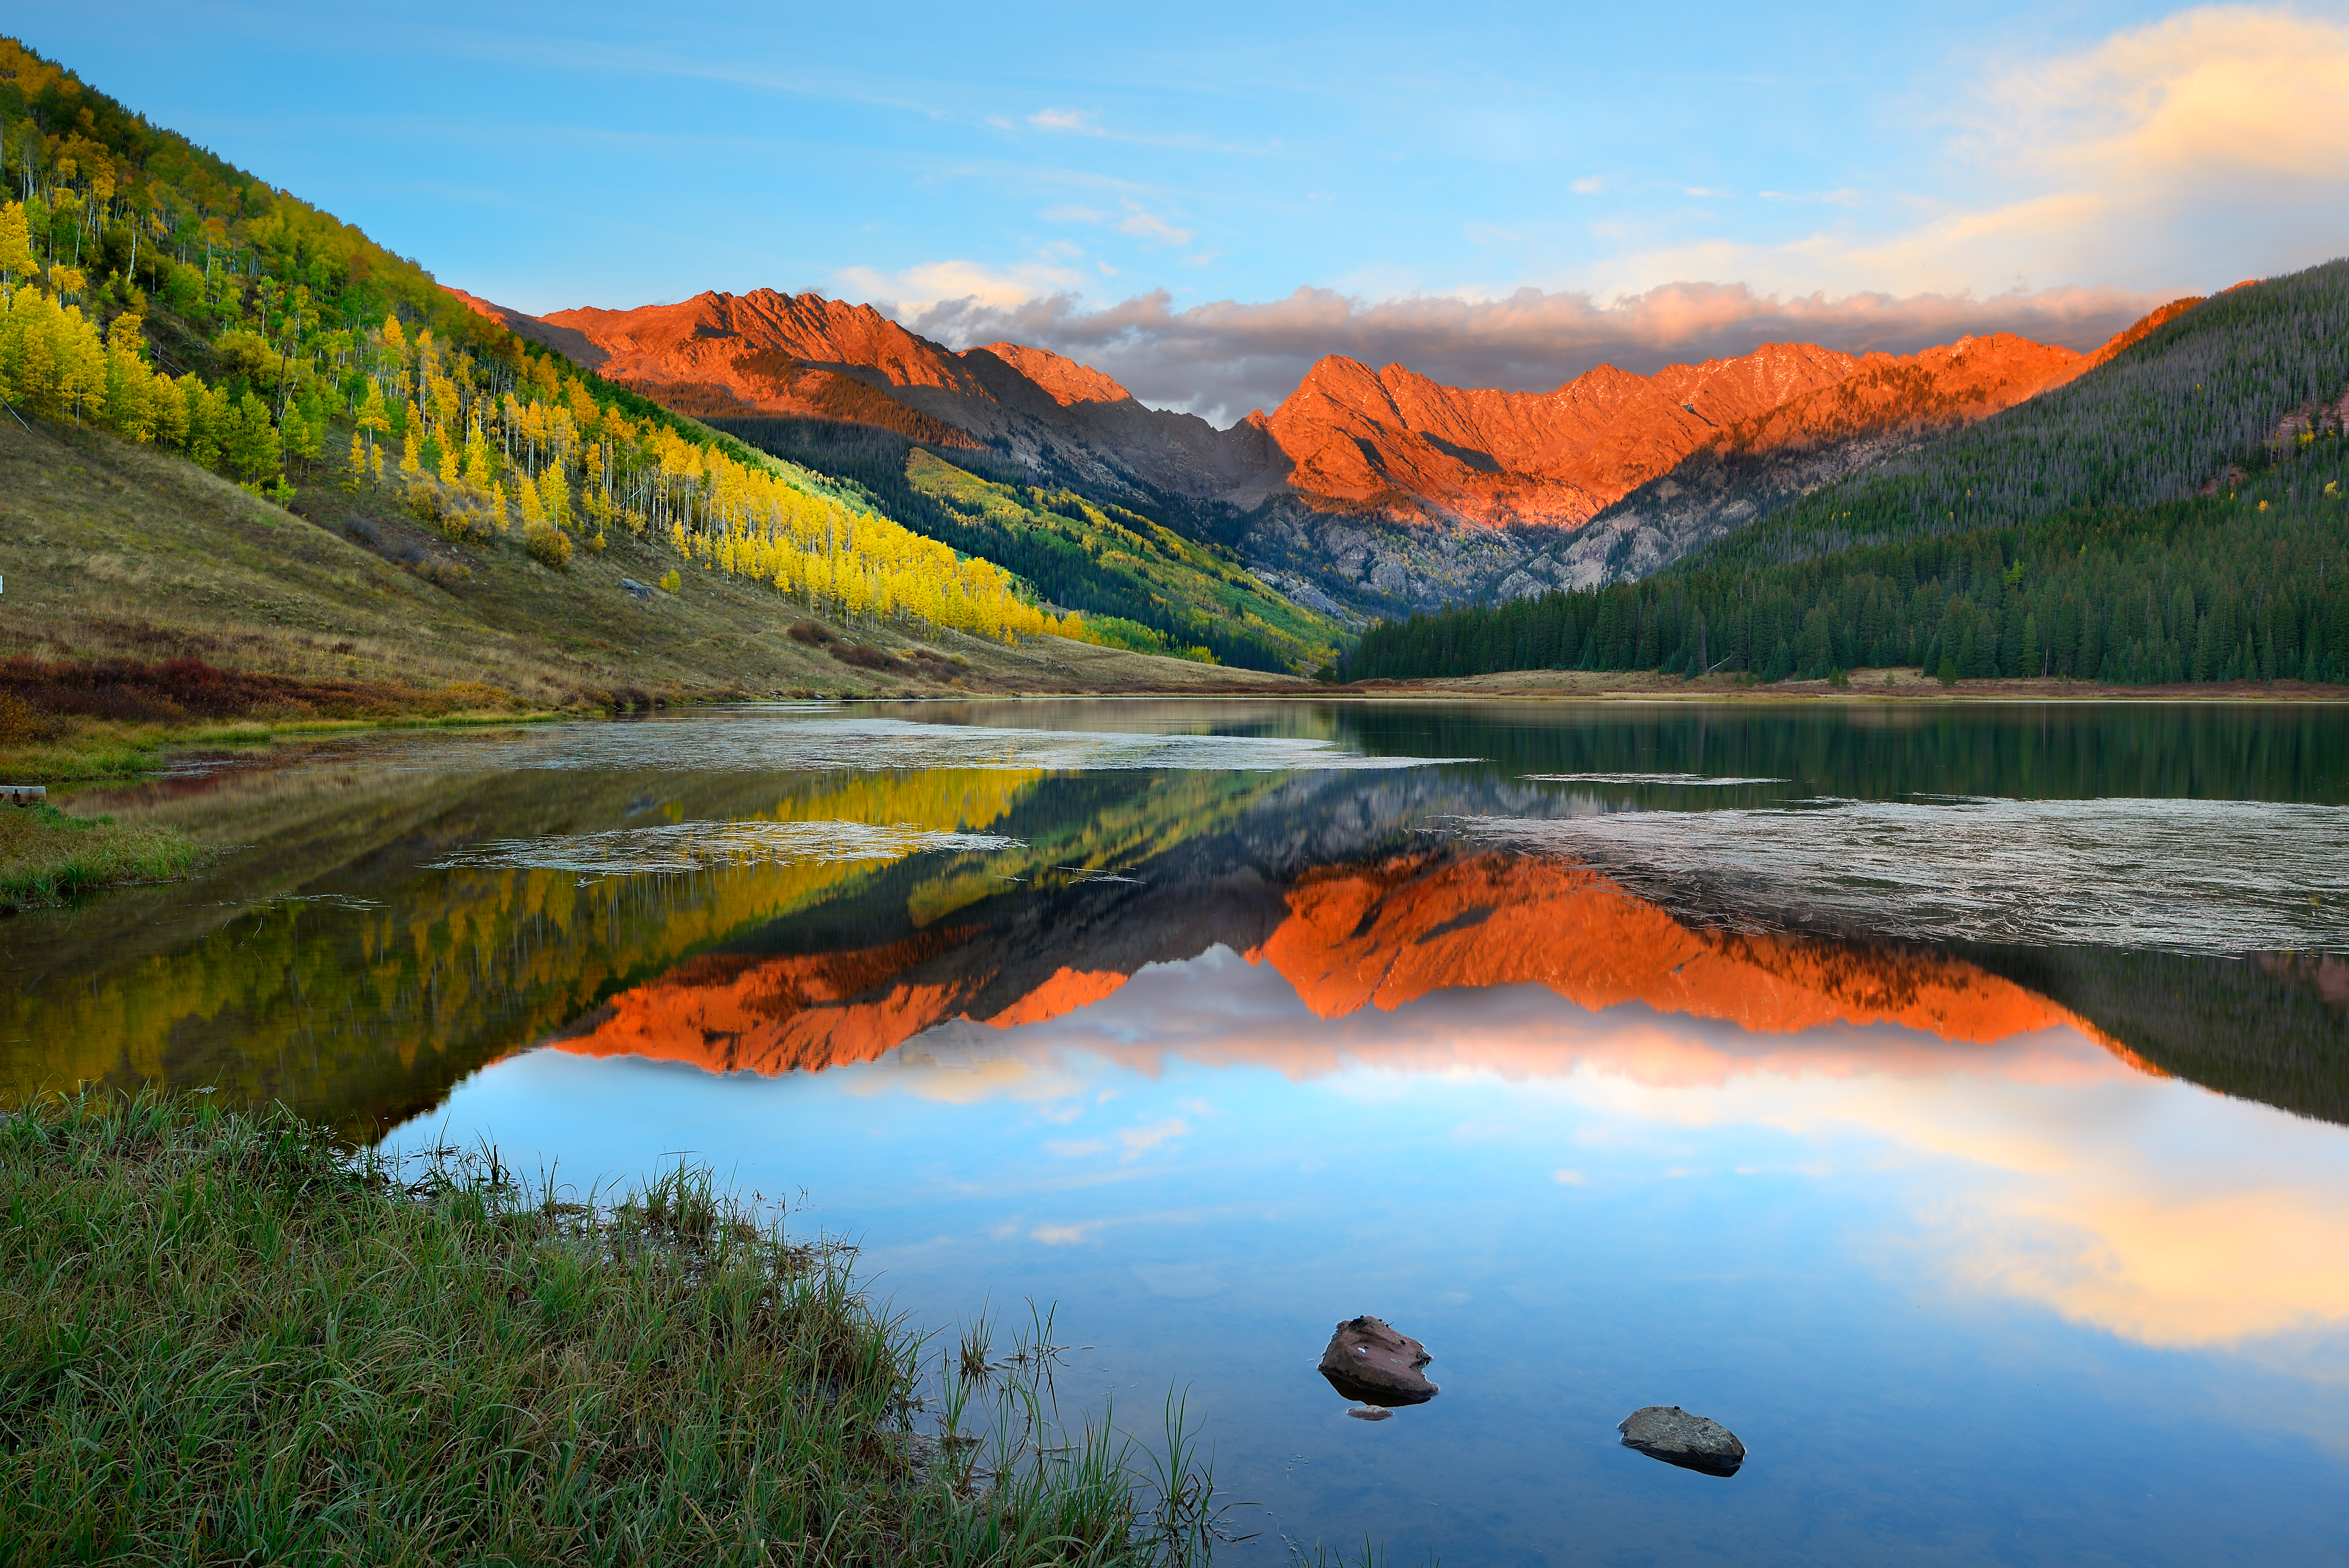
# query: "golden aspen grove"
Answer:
x=150 y=289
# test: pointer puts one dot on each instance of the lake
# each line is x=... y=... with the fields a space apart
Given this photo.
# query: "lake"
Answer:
x=1948 y=1099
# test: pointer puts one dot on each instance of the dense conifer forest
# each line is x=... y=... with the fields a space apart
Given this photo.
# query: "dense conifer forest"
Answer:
x=2175 y=515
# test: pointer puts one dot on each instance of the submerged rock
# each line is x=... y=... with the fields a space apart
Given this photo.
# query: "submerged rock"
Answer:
x=1669 y=1433
x=1370 y=1362
x=1370 y=1413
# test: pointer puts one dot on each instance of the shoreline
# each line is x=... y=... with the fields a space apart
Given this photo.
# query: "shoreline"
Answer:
x=482 y=1371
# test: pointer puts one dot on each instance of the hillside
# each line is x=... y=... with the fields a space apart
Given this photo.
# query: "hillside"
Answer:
x=2180 y=512
x=1138 y=582
x=1379 y=490
x=121 y=553
x=241 y=432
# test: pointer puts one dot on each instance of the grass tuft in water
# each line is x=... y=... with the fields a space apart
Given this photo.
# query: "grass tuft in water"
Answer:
x=223 y=1337
x=46 y=855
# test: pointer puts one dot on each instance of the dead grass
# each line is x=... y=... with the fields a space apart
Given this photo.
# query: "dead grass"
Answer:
x=119 y=552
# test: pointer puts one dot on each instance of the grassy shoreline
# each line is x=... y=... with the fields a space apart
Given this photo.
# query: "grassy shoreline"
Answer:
x=223 y=1337
x=93 y=751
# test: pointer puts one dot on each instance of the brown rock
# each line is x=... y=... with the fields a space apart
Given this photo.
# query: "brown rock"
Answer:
x=1669 y=1433
x=1370 y=1362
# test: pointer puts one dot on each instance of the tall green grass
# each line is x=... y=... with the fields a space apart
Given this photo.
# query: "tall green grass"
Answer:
x=46 y=855
x=225 y=1337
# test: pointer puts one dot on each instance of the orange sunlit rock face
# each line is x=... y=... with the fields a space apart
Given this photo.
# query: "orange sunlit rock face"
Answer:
x=1350 y=438
x=771 y=1015
x=1377 y=936
x=1389 y=935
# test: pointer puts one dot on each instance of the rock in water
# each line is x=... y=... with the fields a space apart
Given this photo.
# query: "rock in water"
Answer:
x=1370 y=1362
x=1370 y=1413
x=1669 y=1433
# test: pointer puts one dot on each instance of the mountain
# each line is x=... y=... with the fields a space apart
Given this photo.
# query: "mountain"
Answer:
x=1748 y=468
x=1381 y=489
x=2178 y=512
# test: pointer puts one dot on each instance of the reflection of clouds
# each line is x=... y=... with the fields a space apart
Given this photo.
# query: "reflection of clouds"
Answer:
x=2167 y=1269
x=2052 y=1172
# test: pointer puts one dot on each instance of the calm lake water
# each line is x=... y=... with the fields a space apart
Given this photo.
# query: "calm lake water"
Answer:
x=1950 y=1101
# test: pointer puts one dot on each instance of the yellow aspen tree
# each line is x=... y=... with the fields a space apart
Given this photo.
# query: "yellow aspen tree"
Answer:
x=526 y=497
x=356 y=475
x=129 y=401
x=478 y=468
x=16 y=242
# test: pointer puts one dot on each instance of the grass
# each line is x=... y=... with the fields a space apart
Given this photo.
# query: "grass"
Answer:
x=225 y=1337
x=119 y=551
x=46 y=855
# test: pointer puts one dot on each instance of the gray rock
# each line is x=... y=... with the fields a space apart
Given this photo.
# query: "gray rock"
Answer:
x=1370 y=1413
x=1669 y=1433
x=1370 y=1362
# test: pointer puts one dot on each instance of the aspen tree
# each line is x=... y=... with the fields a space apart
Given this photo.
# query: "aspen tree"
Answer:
x=526 y=497
x=16 y=242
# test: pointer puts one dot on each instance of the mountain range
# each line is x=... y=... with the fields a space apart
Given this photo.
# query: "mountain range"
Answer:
x=1364 y=490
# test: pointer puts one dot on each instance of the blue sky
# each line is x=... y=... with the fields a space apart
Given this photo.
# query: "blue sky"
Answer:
x=1498 y=194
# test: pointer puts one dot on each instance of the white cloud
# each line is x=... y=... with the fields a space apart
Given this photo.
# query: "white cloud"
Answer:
x=958 y=285
x=1145 y=224
x=1081 y=122
x=2205 y=145
x=2173 y=158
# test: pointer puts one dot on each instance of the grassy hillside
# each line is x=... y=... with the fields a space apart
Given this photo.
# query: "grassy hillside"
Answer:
x=2178 y=514
x=121 y=553
x=151 y=290
x=1172 y=592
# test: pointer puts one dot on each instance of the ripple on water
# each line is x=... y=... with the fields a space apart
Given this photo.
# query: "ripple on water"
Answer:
x=792 y=744
x=2212 y=877
x=700 y=846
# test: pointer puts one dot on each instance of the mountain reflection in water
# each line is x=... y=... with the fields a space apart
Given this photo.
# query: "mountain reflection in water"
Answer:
x=1606 y=1064
x=1345 y=936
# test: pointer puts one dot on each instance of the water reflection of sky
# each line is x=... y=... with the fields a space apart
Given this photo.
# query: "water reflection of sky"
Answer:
x=2014 y=1301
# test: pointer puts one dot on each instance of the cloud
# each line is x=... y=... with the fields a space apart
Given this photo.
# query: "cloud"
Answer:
x=1225 y=357
x=962 y=284
x=2199 y=143
x=1147 y=225
x=2178 y=157
x=1140 y=1141
x=1081 y=122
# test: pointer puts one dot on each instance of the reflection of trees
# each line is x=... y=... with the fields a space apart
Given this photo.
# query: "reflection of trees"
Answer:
x=340 y=976
x=2272 y=1027
x=326 y=966
x=2218 y=751
x=358 y=986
